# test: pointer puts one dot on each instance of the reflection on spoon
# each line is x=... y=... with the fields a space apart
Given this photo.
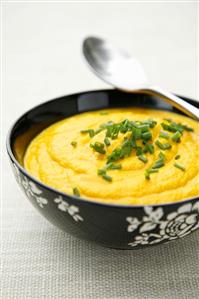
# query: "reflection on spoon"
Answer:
x=122 y=71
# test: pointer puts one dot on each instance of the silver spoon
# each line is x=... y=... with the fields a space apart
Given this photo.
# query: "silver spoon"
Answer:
x=121 y=70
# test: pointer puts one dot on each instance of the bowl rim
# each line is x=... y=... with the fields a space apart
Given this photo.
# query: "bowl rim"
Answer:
x=73 y=197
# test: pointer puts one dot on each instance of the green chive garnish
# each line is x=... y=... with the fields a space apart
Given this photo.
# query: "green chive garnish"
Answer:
x=176 y=137
x=148 y=172
x=103 y=113
x=148 y=148
x=98 y=147
x=137 y=130
x=188 y=128
x=163 y=146
x=168 y=127
x=177 y=157
x=152 y=123
x=74 y=143
x=138 y=151
x=164 y=135
x=115 y=155
x=146 y=136
x=152 y=170
x=90 y=132
x=179 y=166
x=161 y=156
x=144 y=128
x=151 y=148
x=147 y=175
x=174 y=127
x=168 y=119
x=107 y=141
x=107 y=177
x=111 y=166
x=98 y=131
x=101 y=171
x=158 y=164
x=143 y=159
x=137 y=133
x=76 y=192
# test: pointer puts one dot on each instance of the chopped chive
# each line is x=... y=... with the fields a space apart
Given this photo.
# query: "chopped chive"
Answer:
x=76 y=192
x=163 y=146
x=148 y=148
x=147 y=175
x=168 y=119
x=103 y=113
x=161 y=156
x=125 y=126
x=167 y=146
x=107 y=141
x=151 y=148
x=144 y=128
x=111 y=166
x=159 y=144
x=177 y=157
x=74 y=143
x=133 y=143
x=137 y=133
x=174 y=127
x=152 y=170
x=168 y=127
x=143 y=158
x=139 y=151
x=147 y=135
x=115 y=155
x=188 y=128
x=98 y=147
x=107 y=177
x=98 y=131
x=152 y=123
x=164 y=135
x=179 y=166
x=139 y=130
x=101 y=171
x=91 y=132
x=176 y=136
x=148 y=172
x=158 y=164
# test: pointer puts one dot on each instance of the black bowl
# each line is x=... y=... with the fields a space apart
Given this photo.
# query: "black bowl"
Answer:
x=115 y=226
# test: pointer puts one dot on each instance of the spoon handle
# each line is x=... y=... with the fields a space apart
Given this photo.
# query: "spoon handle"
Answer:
x=175 y=101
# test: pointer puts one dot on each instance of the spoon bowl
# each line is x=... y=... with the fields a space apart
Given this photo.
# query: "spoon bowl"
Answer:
x=114 y=65
x=121 y=70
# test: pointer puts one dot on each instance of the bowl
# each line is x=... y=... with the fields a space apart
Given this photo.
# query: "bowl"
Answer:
x=111 y=225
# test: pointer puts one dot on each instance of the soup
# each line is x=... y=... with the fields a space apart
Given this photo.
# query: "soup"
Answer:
x=121 y=156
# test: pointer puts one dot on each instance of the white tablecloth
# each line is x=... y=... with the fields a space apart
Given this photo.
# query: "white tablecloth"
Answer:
x=41 y=60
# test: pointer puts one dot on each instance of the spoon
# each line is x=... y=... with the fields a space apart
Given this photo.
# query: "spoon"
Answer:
x=121 y=70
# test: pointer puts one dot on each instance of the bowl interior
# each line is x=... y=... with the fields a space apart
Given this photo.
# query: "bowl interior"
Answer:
x=40 y=117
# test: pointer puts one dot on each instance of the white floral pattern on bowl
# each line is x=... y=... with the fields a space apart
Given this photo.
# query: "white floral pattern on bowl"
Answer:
x=72 y=210
x=156 y=226
x=154 y=229
x=31 y=190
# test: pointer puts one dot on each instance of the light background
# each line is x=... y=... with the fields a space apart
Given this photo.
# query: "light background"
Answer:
x=42 y=60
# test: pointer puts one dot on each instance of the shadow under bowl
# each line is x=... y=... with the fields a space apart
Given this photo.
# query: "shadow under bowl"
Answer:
x=114 y=226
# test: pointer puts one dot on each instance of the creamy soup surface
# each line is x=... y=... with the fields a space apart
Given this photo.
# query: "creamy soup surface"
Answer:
x=121 y=156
